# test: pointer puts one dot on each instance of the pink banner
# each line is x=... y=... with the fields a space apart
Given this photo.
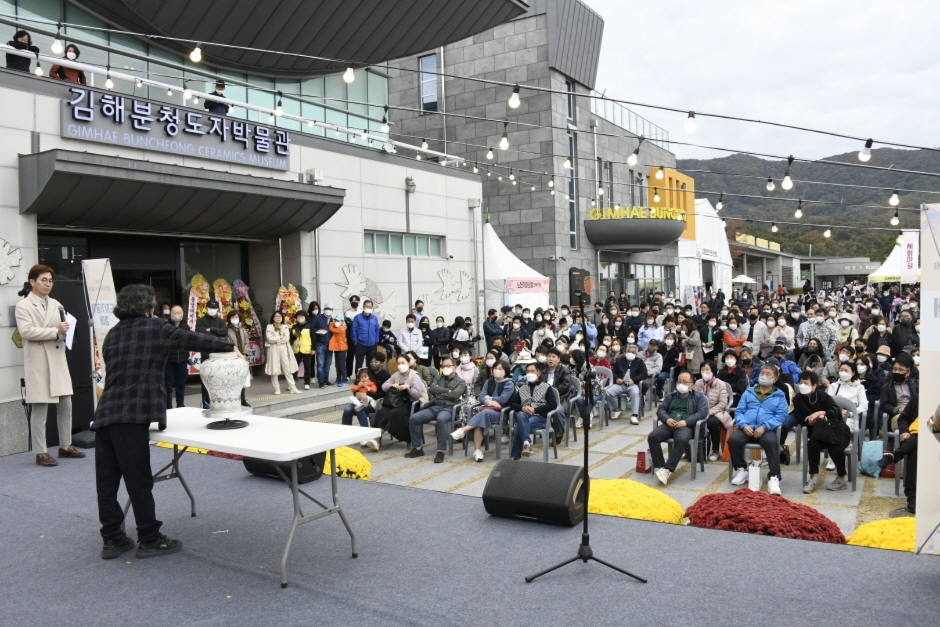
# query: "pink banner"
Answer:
x=526 y=285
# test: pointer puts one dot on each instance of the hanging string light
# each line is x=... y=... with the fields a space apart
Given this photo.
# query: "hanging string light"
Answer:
x=720 y=205
x=655 y=194
x=108 y=83
x=489 y=153
x=770 y=184
x=787 y=183
x=634 y=158
x=799 y=210
x=600 y=191
x=896 y=220
x=476 y=170
x=504 y=141
x=690 y=123
x=567 y=164
x=424 y=143
x=660 y=174
x=384 y=127
x=57 y=46
x=38 y=66
x=514 y=101
x=864 y=155
x=827 y=233
x=773 y=227
x=894 y=201
x=279 y=109
x=349 y=76
x=551 y=183
x=139 y=83
x=533 y=188
x=196 y=55
x=418 y=156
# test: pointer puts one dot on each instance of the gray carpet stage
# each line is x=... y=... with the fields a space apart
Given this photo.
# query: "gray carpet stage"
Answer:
x=426 y=558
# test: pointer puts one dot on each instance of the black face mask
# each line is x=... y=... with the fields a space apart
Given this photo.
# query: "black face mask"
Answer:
x=812 y=349
x=375 y=367
x=752 y=318
x=906 y=322
x=746 y=362
x=898 y=377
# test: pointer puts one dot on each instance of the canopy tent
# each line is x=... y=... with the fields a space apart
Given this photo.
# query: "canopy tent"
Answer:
x=499 y=266
x=890 y=270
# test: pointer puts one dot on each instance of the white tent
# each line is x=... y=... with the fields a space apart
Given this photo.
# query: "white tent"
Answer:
x=890 y=270
x=500 y=264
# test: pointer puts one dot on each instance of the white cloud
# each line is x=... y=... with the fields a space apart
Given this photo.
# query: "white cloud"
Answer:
x=864 y=68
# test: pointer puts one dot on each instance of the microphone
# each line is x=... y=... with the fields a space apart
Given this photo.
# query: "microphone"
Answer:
x=61 y=313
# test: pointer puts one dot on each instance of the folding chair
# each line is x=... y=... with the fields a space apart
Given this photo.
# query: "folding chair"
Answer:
x=575 y=384
x=750 y=446
x=603 y=412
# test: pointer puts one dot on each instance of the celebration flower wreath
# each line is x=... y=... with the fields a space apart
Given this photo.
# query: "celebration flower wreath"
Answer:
x=223 y=294
x=350 y=463
x=288 y=303
x=246 y=311
x=894 y=534
x=631 y=499
x=198 y=297
x=762 y=514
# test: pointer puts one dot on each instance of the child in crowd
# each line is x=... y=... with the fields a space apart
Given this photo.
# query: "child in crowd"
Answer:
x=338 y=347
x=387 y=339
x=362 y=388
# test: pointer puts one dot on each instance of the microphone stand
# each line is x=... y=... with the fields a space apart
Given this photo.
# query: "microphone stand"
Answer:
x=585 y=552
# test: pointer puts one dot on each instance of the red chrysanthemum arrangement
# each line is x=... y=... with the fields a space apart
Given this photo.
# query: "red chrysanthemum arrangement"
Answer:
x=763 y=514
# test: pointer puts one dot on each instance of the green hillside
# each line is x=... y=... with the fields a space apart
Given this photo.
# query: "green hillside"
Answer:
x=797 y=239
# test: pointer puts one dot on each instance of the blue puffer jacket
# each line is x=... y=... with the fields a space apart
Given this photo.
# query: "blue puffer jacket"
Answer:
x=365 y=330
x=770 y=414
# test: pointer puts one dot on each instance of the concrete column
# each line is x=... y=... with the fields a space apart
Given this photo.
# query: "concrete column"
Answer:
x=744 y=264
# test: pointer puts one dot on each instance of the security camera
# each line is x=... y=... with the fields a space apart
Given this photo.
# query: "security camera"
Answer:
x=450 y=256
x=551 y=258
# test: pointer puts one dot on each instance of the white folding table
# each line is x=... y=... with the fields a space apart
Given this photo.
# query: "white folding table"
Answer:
x=270 y=439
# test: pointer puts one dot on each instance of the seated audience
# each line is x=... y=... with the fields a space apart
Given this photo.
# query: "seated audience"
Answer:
x=676 y=418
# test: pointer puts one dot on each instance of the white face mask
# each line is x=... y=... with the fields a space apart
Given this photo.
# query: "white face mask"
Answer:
x=670 y=342
x=447 y=371
x=531 y=377
x=731 y=362
x=917 y=328
x=515 y=326
x=490 y=362
x=916 y=359
x=403 y=368
x=564 y=312
x=615 y=349
x=606 y=342
x=301 y=321
x=630 y=356
x=367 y=311
x=327 y=312
x=845 y=324
x=723 y=327
x=771 y=323
x=875 y=311
x=669 y=312
x=843 y=357
x=845 y=376
x=526 y=315
x=882 y=359
x=465 y=359
x=235 y=322
x=70 y=55
x=765 y=381
x=212 y=312
x=805 y=389
x=541 y=359
x=601 y=354
x=733 y=326
x=455 y=354
x=682 y=388
x=499 y=375
x=711 y=323
x=410 y=325
x=631 y=340
x=862 y=369
x=440 y=324
x=782 y=322
x=315 y=311
x=820 y=319
x=795 y=315
x=176 y=317
x=881 y=328
x=833 y=314
x=166 y=312
x=707 y=376
x=650 y=321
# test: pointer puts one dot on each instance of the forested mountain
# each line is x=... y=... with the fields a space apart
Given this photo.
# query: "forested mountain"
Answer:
x=797 y=239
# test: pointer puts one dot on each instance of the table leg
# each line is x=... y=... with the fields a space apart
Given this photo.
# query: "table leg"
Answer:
x=339 y=510
x=174 y=474
x=293 y=525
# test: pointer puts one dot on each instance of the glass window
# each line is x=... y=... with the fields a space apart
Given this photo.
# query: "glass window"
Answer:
x=233 y=91
x=381 y=244
x=572 y=193
x=63 y=254
x=290 y=105
x=428 y=77
x=261 y=98
x=210 y=259
x=397 y=246
x=378 y=96
x=435 y=247
x=312 y=89
x=569 y=99
x=422 y=247
x=410 y=248
x=368 y=244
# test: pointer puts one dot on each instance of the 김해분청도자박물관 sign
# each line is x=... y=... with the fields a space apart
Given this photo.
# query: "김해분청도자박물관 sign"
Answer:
x=117 y=120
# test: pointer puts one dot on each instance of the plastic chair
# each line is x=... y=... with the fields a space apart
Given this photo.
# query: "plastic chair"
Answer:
x=750 y=446
x=497 y=430
x=575 y=384
x=548 y=432
x=896 y=436
x=603 y=413
x=697 y=444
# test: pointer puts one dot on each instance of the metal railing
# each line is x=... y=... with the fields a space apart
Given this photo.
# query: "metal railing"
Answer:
x=616 y=113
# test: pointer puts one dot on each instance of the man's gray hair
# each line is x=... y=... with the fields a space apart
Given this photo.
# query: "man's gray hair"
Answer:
x=135 y=301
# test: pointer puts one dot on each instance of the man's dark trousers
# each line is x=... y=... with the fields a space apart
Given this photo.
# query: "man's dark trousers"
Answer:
x=123 y=450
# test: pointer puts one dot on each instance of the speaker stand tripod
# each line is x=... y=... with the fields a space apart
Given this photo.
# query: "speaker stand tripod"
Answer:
x=585 y=552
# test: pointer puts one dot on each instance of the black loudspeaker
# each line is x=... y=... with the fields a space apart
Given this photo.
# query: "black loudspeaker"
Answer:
x=552 y=493
x=308 y=468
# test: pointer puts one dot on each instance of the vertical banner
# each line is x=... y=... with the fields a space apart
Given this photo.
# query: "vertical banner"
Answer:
x=910 y=256
x=99 y=290
x=928 y=438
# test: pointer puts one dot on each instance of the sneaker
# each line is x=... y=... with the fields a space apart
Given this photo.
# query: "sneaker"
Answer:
x=478 y=455
x=785 y=456
x=615 y=415
x=810 y=486
x=830 y=465
x=161 y=546
x=579 y=424
x=663 y=475
x=740 y=477
x=439 y=457
x=321 y=384
x=415 y=452
x=342 y=384
x=115 y=548
x=886 y=460
x=296 y=391
x=713 y=457
x=634 y=419
x=372 y=444
x=458 y=435
x=306 y=386
x=773 y=486
x=526 y=449
x=277 y=391
x=839 y=483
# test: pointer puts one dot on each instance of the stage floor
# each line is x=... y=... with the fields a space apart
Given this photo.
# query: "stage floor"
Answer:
x=426 y=558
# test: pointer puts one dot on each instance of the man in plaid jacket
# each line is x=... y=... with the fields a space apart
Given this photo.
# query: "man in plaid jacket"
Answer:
x=135 y=352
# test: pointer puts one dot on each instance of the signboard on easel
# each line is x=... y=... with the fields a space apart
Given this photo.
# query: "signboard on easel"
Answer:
x=99 y=290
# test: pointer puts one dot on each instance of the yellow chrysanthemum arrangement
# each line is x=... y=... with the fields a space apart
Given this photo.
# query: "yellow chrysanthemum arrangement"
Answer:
x=350 y=463
x=630 y=499
x=894 y=534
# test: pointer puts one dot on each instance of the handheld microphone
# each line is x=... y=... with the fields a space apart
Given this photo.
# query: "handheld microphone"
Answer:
x=62 y=313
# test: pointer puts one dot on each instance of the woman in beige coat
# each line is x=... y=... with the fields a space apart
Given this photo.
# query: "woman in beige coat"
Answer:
x=278 y=353
x=47 y=374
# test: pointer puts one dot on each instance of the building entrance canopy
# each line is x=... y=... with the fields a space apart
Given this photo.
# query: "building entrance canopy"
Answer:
x=83 y=190
x=634 y=229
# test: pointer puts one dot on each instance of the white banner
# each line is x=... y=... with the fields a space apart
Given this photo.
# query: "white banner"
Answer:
x=99 y=288
x=910 y=256
x=928 y=440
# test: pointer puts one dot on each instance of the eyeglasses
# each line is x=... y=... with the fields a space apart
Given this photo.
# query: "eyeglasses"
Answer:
x=45 y=281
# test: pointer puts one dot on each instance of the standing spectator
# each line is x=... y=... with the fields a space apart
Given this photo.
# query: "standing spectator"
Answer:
x=21 y=41
x=214 y=106
x=691 y=345
x=47 y=373
x=463 y=334
x=177 y=366
x=337 y=350
x=279 y=360
x=424 y=352
x=302 y=344
x=410 y=337
x=419 y=311
x=67 y=74
x=441 y=337
x=676 y=418
x=211 y=323
x=320 y=326
x=351 y=314
x=491 y=328
x=238 y=336
x=387 y=339
x=365 y=333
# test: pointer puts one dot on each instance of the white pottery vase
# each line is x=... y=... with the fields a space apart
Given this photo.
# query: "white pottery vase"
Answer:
x=224 y=375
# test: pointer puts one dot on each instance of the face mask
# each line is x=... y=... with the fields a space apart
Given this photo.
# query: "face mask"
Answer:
x=578 y=336
x=682 y=388
x=615 y=349
x=732 y=326
x=455 y=354
x=771 y=324
x=707 y=376
x=564 y=312
x=765 y=381
x=440 y=324
x=515 y=326
x=538 y=318
x=490 y=362
x=327 y=312
x=403 y=368
x=630 y=356
x=782 y=322
x=845 y=376
x=631 y=340
x=845 y=324
x=387 y=329
x=606 y=342
x=917 y=328
x=70 y=55
x=862 y=369
x=316 y=311
x=731 y=362
x=301 y=321
x=746 y=362
x=906 y=321
x=805 y=389
x=526 y=316
x=465 y=359
x=820 y=320
x=882 y=359
x=601 y=354
x=875 y=311
x=166 y=312
x=752 y=318
x=419 y=309
x=898 y=377
x=832 y=314
x=541 y=359
x=367 y=311
x=375 y=367
x=605 y=320
x=881 y=328
x=669 y=312
x=598 y=309
x=338 y=323
x=354 y=305
x=176 y=317
x=723 y=327
x=843 y=357
x=670 y=342
x=531 y=377
x=711 y=323
x=234 y=322
x=650 y=321
x=410 y=325
x=634 y=314
x=916 y=359
x=617 y=324
x=499 y=375
x=212 y=312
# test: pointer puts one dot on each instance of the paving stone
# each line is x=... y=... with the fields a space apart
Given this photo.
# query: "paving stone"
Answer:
x=885 y=487
x=578 y=460
x=472 y=489
x=615 y=443
x=838 y=497
x=389 y=464
x=454 y=476
x=684 y=497
x=845 y=517
x=418 y=472
x=614 y=468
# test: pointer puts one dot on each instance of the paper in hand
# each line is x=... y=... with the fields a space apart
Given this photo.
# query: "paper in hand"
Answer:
x=70 y=334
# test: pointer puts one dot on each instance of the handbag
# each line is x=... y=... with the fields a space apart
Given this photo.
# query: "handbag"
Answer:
x=828 y=431
x=394 y=399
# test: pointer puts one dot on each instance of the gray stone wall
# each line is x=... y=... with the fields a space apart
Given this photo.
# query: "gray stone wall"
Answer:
x=533 y=224
x=14 y=432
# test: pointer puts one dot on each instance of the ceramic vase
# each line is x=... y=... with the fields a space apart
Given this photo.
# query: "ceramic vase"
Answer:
x=224 y=375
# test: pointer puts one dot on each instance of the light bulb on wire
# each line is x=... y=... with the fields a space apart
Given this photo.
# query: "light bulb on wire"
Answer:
x=896 y=220
x=720 y=205
x=418 y=156
x=690 y=123
x=567 y=164
x=600 y=191
x=864 y=155
x=773 y=227
x=187 y=94
x=634 y=158
x=38 y=67
x=139 y=83
x=514 y=101
x=799 y=210
x=349 y=76
x=827 y=233
x=169 y=92
x=384 y=127
x=512 y=177
x=475 y=169
x=489 y=153
x=659 y=173
x=894 y=201
x=279 y=109
x=424 y=144
x=108 y=83
x=57 y=46
x=196 y=55
x=504 y=141
x=655 y=194
x=551 y=182
x=787 y=182
x=770 y=184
